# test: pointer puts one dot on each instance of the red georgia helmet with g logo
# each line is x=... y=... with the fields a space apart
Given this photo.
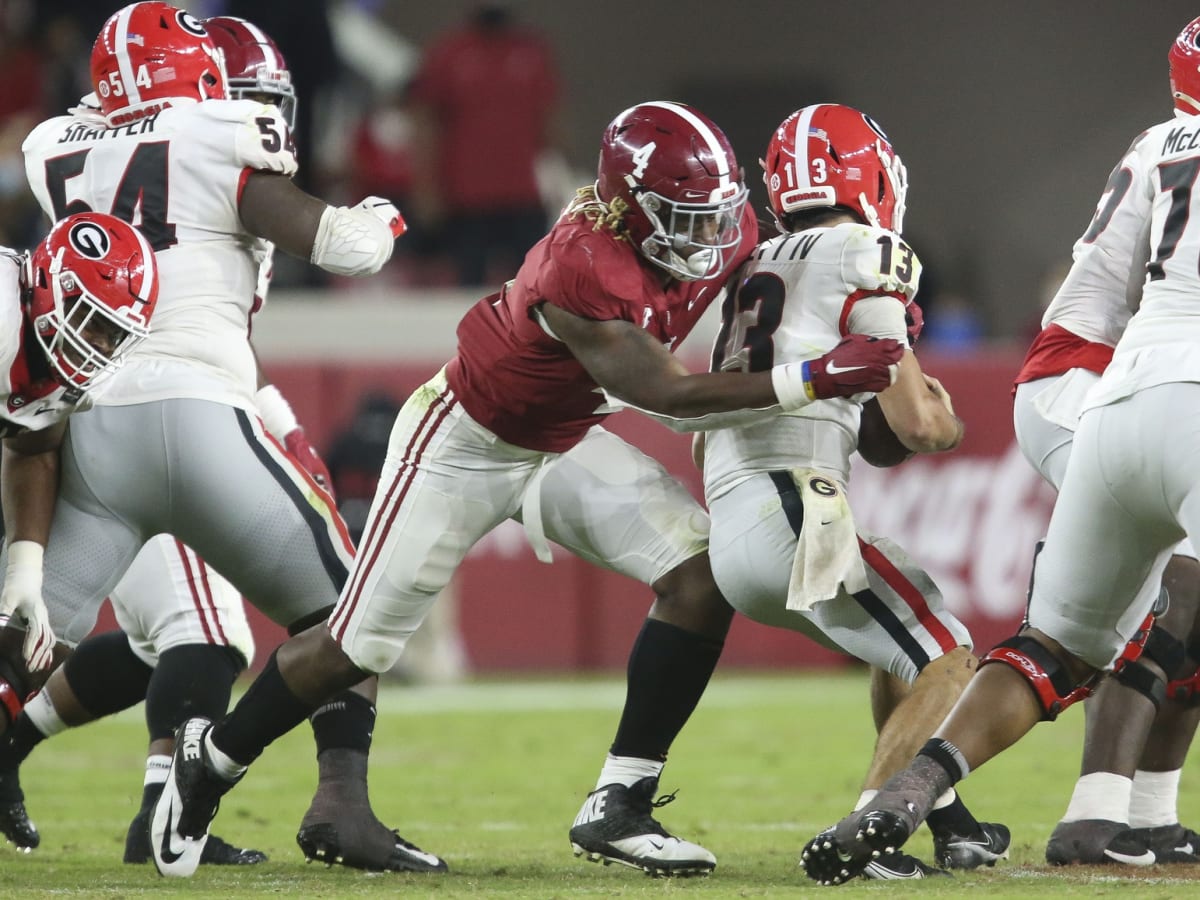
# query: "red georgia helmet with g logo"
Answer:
x=833 y=155
x=676 y=174
x=93 y=286
x=253 y=63
x=151 y=55
x=1183 y=59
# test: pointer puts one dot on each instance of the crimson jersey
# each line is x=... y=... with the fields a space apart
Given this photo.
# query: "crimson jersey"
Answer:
x=524 y=385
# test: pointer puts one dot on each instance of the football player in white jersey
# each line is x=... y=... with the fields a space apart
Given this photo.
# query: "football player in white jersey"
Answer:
x=176 y=615
x=784 y=548
x=175 y=445
x=72 y=310
x=1141 y=722
x=1128 y=496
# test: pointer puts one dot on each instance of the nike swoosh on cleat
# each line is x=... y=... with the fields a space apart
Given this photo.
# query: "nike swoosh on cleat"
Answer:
x=833 y=369
x=1142 y=859
x=165 y=852
x=1185 y=848
x=657 y=845
x=420 y=854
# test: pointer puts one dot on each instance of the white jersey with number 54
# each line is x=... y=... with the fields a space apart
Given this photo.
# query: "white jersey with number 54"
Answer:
x=793 y=300
x=178 y=176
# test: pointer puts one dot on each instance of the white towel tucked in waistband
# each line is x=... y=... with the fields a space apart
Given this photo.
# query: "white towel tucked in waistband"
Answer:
x=827 y=555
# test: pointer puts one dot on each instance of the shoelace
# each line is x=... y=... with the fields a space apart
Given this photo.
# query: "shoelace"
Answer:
x=664 y=799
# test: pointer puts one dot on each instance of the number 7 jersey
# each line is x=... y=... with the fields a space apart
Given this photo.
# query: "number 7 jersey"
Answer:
x=795 y=298
x=1160 y=197
x=178 y=177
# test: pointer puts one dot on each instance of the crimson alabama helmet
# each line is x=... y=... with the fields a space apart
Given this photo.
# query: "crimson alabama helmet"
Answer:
x=833 y=155
x=254 y=67
x=151 y=55
x=1183 y=60
x=92 y=288
x=677 y=176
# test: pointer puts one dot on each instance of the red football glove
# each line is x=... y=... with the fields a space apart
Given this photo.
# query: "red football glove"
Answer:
x=914 y=319
x=859 y=363
x=297 y=444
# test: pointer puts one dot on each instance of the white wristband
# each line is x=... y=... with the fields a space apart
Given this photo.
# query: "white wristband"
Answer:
x=275 y=412
x=25 y=565
x=789 y=383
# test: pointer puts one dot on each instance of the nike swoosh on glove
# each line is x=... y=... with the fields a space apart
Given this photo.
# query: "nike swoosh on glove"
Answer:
x=856 y=365
x=385 y=211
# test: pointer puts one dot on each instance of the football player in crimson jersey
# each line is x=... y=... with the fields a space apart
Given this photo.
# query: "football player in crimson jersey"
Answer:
x=837 y=190
x=1128 y=496
x=1141 y=722
x=175 y=444
x=511 y=428
x=176 y=615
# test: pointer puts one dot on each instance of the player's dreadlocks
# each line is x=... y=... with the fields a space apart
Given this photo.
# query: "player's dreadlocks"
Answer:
x=610 y=215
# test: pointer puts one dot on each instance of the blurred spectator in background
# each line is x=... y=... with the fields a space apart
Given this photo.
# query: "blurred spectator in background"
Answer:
x=302 y=31
x=356 y=455
x=44 y=50
x=484 y=99
x=380 y=158
x=953 y=325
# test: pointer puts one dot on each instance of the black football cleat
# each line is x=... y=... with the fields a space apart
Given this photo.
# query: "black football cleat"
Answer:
x=615 y=825
x=971 y=851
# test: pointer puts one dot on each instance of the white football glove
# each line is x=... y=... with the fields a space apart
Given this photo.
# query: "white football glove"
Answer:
x=357 y=240
x=21 y=600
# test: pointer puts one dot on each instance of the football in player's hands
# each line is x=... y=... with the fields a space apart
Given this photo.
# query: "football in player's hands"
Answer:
x=877 y=442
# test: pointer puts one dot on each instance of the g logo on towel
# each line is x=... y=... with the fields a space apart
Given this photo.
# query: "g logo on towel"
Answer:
x=823 y=486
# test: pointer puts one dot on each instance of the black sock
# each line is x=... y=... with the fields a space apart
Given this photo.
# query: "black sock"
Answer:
x=954 y=819
x=10 y=787
x=949 y=757
x=190 y=680
x=668 y=671
x=347 y=720
x=105 y=675
x=268 y=710
x=151 y=793
x=18 y=742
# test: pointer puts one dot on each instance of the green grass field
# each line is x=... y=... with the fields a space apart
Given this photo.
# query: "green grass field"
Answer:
x=490 y=776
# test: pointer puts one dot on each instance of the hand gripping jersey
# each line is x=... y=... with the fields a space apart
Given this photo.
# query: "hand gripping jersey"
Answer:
x=177 y=175
x=1089 y=312
x=524 y=385
x=32 y=398
x=1160 y=341
x=795 y=299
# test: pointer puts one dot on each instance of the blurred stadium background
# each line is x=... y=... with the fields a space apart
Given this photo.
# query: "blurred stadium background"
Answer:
x=1008 y=118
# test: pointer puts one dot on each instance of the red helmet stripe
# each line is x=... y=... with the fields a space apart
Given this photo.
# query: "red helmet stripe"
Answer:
x=121 y=48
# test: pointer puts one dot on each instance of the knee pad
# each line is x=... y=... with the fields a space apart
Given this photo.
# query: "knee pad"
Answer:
x=1145 y=681
x=1046 y=676
x=1185 y=690
x=105 y=675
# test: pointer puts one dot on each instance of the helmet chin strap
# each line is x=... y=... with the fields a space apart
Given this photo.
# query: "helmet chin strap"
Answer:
x=1181 y=97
